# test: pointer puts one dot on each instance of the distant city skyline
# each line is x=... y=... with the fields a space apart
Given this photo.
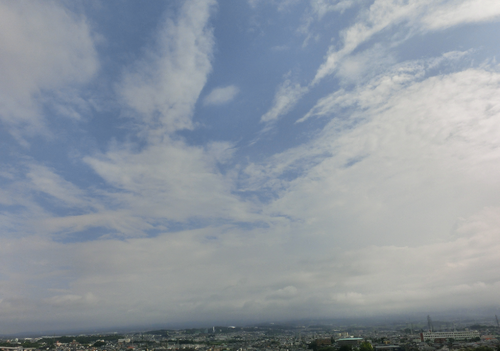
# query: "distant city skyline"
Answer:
x=202 y=161
x=415 y=322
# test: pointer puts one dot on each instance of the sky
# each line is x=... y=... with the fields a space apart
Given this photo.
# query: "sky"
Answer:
x=230 y=162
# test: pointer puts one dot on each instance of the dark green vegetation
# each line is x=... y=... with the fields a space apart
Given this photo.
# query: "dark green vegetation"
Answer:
x=94 y=340
x=365 y=346
x=26 y=344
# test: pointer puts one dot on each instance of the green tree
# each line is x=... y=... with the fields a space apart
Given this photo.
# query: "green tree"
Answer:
x=345 y=348
x=365 y=346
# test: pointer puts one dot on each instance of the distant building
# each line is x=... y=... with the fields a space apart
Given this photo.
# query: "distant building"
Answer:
x=349 y=341
x=455 y=335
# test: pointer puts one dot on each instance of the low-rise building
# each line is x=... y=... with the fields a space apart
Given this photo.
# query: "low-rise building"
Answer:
x=455 y=335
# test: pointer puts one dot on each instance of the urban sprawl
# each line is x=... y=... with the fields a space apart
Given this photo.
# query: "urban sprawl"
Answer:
x=273 y=337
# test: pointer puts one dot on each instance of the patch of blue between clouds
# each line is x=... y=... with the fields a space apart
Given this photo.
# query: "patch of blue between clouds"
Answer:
x=87 y=235
x=56 y=206
x=193 y=224
x=351 y=162
x=238 y=121
x=12 y=209
x=433 y=44
x=9 y=145
x=252 y=225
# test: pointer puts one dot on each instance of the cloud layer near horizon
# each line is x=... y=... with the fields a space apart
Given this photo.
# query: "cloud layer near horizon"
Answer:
x=359 y=181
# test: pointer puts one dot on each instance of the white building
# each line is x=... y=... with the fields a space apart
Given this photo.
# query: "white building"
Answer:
x=455 y=335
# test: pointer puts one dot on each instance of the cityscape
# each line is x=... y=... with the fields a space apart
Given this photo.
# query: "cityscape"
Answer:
x=394 y=336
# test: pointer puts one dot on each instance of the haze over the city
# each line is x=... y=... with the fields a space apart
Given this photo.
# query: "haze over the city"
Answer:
x=194 y=161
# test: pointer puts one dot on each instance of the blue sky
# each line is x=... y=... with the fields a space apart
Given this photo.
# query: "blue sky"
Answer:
x=242 y=161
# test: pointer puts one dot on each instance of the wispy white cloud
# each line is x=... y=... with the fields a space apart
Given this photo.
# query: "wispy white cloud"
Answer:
x=381 y=14
x=419 y=16
x=220 y=96
x=400 y=144
x=164 y=86
x=171 y=182
x=462 y=12
x=287 y=95
x=167 y=181
x=379 y=89
x=286 y=5
x=35 y=198
x=253 y=3
x=45 y=180
x=321 y=7
x=45 y=47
